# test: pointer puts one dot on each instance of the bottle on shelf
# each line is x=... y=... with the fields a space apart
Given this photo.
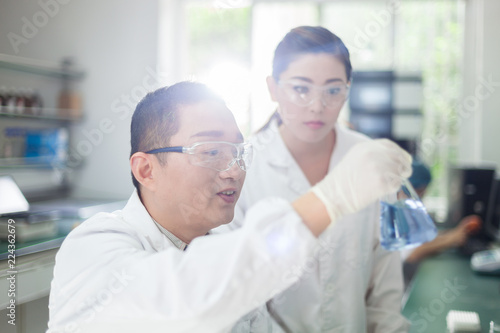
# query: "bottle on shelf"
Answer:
x=12 y=139
x=10 y=105
x=36 y=103
x=25 y=101
x=3 y=98
x=70 y=103
x=27 y=95
x=46 y=146
x=7 y=149
x=20 y=101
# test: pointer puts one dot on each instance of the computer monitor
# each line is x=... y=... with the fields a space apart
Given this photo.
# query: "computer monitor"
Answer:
x=469 y=193
x=493 y=217
x=373 y=125
x=411 y=146
x=371 y=92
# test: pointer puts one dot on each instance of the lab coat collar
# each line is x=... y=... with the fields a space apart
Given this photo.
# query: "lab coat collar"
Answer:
x=279 y=156
x=173 y=238
x=342 y=145
x=136 y=215
x=270 y=142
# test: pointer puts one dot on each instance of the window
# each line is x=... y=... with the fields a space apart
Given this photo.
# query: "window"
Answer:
x=231 y=42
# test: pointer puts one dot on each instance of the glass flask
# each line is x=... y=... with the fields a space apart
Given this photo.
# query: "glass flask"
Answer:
x=404 y=221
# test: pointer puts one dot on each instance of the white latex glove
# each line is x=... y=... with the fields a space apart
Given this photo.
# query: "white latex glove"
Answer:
x=369 y=171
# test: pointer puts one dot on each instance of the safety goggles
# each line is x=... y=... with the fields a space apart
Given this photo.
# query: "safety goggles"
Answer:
x=304 y=93
x=216 y=155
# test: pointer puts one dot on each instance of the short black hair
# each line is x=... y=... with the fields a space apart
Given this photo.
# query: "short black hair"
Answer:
x=155 y=118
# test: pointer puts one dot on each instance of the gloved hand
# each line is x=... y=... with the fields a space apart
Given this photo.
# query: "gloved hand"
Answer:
x=367 y=172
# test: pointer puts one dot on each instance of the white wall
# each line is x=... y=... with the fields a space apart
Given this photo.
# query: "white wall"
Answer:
x=115 y=42
x=490 y=145
x=479 y=112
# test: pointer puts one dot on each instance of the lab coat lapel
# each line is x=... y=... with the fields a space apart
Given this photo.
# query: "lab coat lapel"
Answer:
x=341 y=147
x=136 y=215
x=279 y=157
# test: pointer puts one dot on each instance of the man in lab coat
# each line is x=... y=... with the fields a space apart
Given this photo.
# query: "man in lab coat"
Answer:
x=154 y=267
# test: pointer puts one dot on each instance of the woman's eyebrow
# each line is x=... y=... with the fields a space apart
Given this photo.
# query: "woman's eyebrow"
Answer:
x=305 y=79
x=333 y=80
x=302 y=78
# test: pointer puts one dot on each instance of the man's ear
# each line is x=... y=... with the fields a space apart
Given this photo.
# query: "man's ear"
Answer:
x=142 y=166
x=272 y=86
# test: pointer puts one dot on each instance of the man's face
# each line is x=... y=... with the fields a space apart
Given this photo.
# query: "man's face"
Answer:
x=192 y=194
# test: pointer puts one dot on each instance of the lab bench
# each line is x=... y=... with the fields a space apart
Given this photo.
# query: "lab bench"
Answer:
x=34 y=265
x=446 y=282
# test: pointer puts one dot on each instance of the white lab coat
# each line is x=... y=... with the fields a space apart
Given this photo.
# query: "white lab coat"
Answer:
x=351 y=284
x=118 y=273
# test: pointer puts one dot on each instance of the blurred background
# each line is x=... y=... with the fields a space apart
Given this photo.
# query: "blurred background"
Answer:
x=444 y=50
x=426 y=74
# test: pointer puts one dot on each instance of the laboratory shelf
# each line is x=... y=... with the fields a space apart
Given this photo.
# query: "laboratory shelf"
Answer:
x=31 y=162
x=46 y=68
x=48 y=114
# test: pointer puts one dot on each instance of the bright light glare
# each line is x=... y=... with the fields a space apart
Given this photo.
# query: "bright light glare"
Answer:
x=278 y=243
x=232 y=82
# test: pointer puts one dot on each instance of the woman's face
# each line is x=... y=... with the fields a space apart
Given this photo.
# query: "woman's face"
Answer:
x=310 y=95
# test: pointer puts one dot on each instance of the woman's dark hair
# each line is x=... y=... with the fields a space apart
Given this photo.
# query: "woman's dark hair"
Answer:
x=304 y=40
x=155 y=118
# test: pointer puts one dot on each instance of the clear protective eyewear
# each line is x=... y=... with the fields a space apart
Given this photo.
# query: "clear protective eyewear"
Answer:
x=304 y=93
x=216 y=155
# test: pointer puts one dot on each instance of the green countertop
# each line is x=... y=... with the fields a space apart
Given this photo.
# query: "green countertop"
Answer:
x=446 y=282
x=73 y=212
x=37 y=245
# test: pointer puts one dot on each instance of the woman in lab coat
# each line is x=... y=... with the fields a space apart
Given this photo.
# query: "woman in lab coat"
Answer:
x=350 y=284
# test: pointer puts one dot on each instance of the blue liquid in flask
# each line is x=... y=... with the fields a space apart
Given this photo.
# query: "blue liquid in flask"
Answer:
x=405 y=224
